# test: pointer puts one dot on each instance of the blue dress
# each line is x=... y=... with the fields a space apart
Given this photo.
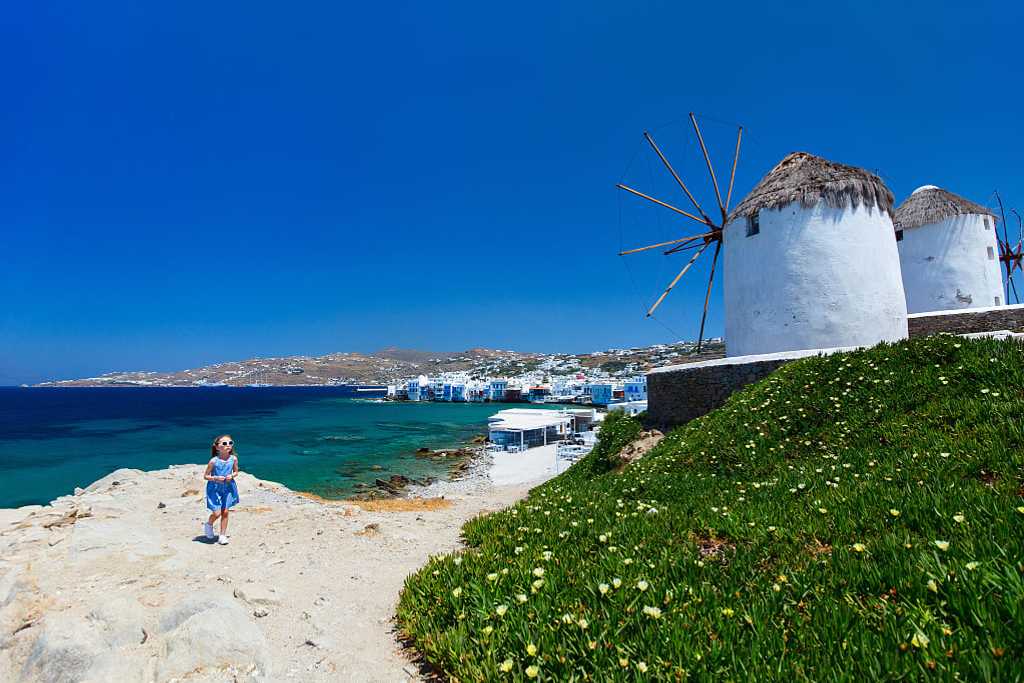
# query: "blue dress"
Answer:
x=221 y=495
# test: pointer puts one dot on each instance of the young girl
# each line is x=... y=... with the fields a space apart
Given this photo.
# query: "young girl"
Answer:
x=221 y=489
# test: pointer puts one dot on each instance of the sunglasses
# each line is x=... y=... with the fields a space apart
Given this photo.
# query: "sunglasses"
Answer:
x=227 y=443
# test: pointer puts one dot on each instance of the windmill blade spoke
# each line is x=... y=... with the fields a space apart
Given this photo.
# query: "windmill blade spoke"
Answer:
x=711 y=169
x=665 y=244
x=707 y=297
x=732 y=176
x=1020 y=229
x=649 y=198
x=675 y=175
x=1016 y=297
x=682 y=272
x=682 y=247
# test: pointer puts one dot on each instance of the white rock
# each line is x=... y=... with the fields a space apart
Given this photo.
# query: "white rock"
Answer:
x=122 y=476
x=215 y=633
x=255 y=594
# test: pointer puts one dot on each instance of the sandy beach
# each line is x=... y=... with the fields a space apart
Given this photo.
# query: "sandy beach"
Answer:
x=118 y=583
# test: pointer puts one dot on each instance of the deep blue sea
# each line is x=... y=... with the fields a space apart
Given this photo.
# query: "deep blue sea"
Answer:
x=309 y=438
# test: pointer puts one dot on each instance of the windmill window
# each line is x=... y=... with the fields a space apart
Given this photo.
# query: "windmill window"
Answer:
x=987 y=226
x=997 y=301
x=991 y=254
x=753 y=225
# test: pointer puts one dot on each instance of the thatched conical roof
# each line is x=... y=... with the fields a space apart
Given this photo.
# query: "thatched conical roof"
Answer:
x=805 y=178
x=930 y=204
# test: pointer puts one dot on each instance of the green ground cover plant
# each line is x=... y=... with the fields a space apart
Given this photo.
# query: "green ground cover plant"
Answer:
x=851 y=517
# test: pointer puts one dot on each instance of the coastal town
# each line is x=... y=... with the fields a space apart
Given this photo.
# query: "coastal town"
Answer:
x=473 y=375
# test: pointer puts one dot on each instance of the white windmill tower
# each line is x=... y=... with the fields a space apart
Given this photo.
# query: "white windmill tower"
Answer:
x=949 y=252
x=811 y=261
x=810 y=257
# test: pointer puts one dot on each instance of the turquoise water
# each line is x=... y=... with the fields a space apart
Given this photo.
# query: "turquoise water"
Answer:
x=52 y=440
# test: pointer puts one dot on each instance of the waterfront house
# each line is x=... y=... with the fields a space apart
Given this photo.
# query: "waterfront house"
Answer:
x=601 y=394
x=629 y=407
x=498 y=388
x=522 y=428
x=538 y=394
x=413 y=392
x=459 y=393
x=635 y=389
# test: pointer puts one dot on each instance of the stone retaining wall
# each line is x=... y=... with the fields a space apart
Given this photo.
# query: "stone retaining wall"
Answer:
x=967 y=321
x=680 y=393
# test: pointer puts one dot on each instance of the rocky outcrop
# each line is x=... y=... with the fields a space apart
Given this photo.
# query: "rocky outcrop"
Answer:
x=118 y=583
x=638 y=447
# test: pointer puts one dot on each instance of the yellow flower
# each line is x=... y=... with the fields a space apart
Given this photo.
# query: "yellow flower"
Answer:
x=532 y=671
x=457 y=560
x=603 y=588
x=538 y=584
x=501 y=609
x=521 y=597
x=623 y=662
x=642 y=585
x=492 y=576
x=506 y=666
x=531 y=649
x=942 y=545
x=973 y=565
x=727 y=612
x=776 y=587
x=859 y=547
x=959 y=519
x=652 y=612
x=932 y=586
x=894 y=512
x=488 y=630
x=457 y=592
x=919 y=640
x=616 y=582
x=642 y=667
x=538 y=572
x=583 y=623
x=1020 y=509
x=566 y=618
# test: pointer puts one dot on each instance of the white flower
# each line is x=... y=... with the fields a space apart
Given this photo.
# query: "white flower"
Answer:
x=652 y=612
x=642 y=585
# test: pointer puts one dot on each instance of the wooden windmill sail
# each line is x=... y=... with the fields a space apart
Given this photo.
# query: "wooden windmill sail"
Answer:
x=712 y=232
x=1010 y=255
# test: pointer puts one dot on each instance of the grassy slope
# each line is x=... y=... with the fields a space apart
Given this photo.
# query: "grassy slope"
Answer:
x=798 y=532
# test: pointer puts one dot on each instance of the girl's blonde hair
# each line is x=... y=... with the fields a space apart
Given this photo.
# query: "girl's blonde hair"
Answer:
x=213 y=448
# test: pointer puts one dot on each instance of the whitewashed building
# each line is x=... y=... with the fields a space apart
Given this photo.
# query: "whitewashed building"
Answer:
x=949 y=252
x=811 y=261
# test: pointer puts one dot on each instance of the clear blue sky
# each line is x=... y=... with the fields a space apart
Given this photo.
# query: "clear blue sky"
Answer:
x=185 y=183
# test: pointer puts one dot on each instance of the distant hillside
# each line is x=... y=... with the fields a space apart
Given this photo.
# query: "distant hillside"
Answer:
x=394 y=364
